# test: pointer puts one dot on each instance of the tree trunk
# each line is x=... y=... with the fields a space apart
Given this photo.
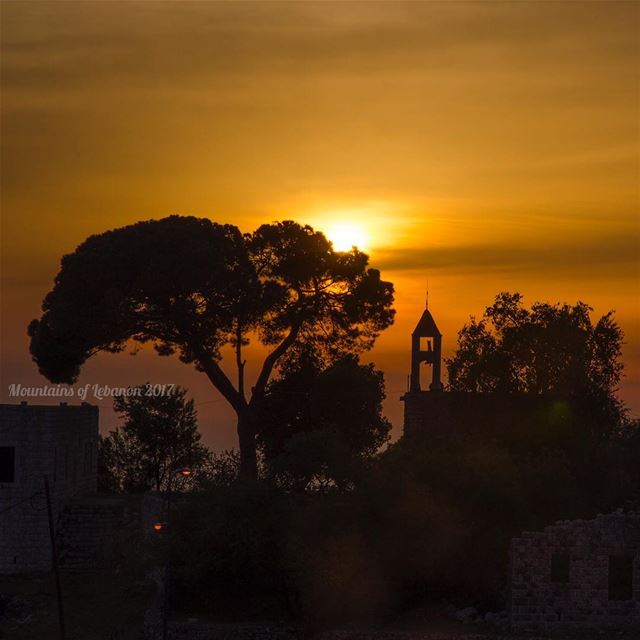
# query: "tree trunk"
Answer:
x=247 y=441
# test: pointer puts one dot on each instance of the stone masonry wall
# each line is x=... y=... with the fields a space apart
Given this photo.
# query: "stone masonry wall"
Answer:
x=60 y=441
x=579 y=599
x=435 y=413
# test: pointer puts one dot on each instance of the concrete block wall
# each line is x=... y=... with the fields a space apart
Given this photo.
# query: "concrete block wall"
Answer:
x=98 y=532
x=57 y=440
x=538 y=603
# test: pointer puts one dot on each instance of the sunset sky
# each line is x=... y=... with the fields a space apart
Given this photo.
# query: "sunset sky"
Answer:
x=481 y=147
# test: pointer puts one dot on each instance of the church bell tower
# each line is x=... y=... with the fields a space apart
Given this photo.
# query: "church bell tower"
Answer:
x=427 y=408
x=426 y=346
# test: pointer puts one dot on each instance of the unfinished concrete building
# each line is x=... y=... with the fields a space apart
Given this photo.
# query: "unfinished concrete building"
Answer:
x=58 y=441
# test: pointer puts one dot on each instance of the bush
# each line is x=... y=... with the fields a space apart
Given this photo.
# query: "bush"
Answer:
x=428 y=520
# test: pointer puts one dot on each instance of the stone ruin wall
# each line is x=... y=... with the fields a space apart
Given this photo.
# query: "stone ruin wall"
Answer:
x=580 y=599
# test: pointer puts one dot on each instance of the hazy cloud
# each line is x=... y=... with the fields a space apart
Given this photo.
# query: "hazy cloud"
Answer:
x=604 y=256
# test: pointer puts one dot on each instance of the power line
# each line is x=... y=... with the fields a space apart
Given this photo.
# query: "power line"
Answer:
x=288 y=392
x=16 y=504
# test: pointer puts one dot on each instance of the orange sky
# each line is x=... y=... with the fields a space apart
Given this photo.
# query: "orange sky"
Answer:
x=480 y=146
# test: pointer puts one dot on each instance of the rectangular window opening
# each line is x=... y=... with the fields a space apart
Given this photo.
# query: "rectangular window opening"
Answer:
x=7 y=464
x=621 y=577
x=560 y=565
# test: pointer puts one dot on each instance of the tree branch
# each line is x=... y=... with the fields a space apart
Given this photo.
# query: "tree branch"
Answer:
x=270 y=362
x=240 y=362
x=220 y=381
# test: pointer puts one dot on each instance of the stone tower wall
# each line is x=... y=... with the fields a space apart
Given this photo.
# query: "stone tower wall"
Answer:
x=433 y=413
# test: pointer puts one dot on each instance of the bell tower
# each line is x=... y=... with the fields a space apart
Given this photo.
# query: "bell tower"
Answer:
x=426 y=346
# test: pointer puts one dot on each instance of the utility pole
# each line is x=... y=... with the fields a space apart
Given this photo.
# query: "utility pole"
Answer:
x=167 y=568
x=54 y=558
x=165 y=526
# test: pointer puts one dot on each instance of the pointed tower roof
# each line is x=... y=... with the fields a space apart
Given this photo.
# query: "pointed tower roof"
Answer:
x=426 y=325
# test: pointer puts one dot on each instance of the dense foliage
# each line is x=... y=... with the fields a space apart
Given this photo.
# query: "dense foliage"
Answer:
x=429 y=518
x=320 y=425
x=552 y=349
x=338 y=531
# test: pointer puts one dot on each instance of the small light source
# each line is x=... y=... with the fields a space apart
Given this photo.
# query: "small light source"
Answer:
x=186 y=472
x=158 y=526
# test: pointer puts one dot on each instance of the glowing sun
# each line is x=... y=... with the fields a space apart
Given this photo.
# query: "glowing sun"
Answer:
x=345 y=235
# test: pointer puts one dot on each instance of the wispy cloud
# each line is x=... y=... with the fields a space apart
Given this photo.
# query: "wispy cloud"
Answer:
x=592 y=258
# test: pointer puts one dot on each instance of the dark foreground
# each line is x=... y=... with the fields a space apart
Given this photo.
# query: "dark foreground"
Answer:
x=108 y=607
